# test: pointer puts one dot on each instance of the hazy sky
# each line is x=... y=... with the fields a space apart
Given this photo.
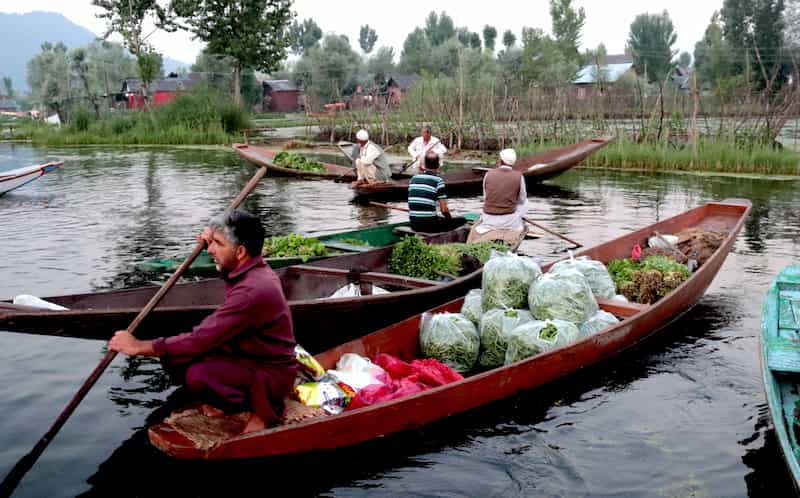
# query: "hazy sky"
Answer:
x=606 y=21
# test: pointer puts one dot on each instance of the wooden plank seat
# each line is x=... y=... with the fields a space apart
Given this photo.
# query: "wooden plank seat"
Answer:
x=406 y=231
x=368 y=276
x=620 y=309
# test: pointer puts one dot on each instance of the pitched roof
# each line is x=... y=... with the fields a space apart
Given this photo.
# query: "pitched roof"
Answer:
x=619 y=59
x=402 y=81
x=588 y=73
x=281 y=85
x=134 y=85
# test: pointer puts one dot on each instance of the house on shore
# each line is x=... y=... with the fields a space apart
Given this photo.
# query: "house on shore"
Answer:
x=161 y=91
x=282 y=96
x=397 y=86
x=593 y=79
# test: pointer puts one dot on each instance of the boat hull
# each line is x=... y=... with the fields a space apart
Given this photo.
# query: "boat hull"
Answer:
x=264 y=157
x=13 y=179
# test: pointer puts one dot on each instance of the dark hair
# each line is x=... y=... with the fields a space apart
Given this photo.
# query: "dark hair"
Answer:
x=431 y=161
x=241 y=228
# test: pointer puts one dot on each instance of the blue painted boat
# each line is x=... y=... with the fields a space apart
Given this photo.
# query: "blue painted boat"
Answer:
x=15 y=178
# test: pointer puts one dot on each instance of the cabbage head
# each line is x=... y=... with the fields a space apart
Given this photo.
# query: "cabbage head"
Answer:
x=473 y=307
x=596 y=274
x=496 y=324
x=564 y=295
x=506 y=281
x=598 y=322
x=537 y=337
x=450 y=338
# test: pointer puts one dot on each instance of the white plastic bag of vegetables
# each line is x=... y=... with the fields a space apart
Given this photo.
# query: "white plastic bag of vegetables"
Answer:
x=536 y=337
x=564 y=295
x=496 y=324
x=596 y=274
x=597 y=322
x=450 y=338
x=506 y=280
x=473 y=307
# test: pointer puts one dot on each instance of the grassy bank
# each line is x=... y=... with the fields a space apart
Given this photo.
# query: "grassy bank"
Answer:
x=709 y=155
x=200 y=118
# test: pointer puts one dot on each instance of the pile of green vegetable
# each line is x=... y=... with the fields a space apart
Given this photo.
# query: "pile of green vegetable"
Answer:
x=293 y=245
x=450 y=338
x=412 y=257
x=649 y=280
x=298 y=162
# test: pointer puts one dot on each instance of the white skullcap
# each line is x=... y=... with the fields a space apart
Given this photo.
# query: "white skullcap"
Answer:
x=508 y=156
x=362 y=135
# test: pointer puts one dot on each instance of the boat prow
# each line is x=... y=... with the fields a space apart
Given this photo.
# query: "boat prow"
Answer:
x=266 y=158
x=780 y=363
x=15 y=178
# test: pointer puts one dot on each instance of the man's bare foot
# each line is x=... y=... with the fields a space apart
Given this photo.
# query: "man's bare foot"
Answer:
x=255 y=423
x=211 y=411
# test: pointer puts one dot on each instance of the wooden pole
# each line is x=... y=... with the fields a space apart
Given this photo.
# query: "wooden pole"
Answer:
x=22 y=467
x=552 y=232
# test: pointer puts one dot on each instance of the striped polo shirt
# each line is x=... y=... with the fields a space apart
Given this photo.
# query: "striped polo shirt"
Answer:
x=424 y=192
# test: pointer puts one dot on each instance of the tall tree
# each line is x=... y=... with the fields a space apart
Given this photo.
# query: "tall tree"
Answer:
x=439 y=29
x=685 y=59
x=49 y=77
x=543 y=62
x=79 y=63
x=567 y=26
x=463 y=35
x=329 y=72
x=509 y=39
x=416 y=54
x=754 y=29
x=251 y=32
x=713 y=59
x=109 y=64
x=475 y=41
x=218 y=71
x=791 y=23
x=303 y=36
x=9 y=86
x=381 y=64
x=650 y=42
x=367 y=38
x=489 y=37
x=128 y=18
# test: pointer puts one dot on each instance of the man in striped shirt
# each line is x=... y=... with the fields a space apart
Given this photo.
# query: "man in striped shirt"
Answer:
x=426 y=191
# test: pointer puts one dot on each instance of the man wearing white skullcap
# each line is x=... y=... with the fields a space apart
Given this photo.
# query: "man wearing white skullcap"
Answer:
x=371 y=165
x=505 y=200
x=421 y=146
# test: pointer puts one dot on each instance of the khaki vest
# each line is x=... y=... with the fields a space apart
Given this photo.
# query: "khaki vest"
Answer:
x=502 y=191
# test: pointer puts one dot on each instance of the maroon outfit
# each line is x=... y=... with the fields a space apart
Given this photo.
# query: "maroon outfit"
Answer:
x=243 y=353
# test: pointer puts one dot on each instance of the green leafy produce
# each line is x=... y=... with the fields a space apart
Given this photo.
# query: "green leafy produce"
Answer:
x=472 y=307
x=496 y=324
x=450 y=338
x=596 y=273
x=293 y=245
x=564 y=295
x=298 y=162
x=664 y=265
x=532 y=338
x=649 y=280
x=506 y=280
x=598 y=322
x=621 y=271
x=412 y=257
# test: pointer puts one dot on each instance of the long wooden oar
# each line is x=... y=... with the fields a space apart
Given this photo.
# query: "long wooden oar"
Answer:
x=553 y=232
x=22 y=467
x=380 y=204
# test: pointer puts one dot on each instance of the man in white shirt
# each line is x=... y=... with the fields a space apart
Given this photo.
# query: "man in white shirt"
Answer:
x=372 y=165
x=505 y=201
x=421 y=146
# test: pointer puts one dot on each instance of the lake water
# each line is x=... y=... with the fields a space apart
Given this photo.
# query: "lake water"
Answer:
x=682 y=415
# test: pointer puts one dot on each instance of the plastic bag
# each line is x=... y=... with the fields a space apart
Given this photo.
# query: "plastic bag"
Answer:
x=353 y=290
x=507 y=279
x=496 y=324
x=473 y=306
x=37 y=302
x=537 y=337
x=307 y=363
x=331 y=396
x=358 y=372
x=450 y=338
x=595 y=272
x=564 y=295
x=663 y=242
x=598 y=322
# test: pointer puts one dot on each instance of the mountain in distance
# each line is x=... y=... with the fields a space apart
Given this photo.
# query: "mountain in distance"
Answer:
x=22 y=35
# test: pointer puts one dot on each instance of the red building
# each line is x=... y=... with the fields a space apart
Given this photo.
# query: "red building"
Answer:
x=161 y=91
x=282 y=96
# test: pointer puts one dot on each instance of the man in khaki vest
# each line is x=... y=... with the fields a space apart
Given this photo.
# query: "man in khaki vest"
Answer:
x=505 y=202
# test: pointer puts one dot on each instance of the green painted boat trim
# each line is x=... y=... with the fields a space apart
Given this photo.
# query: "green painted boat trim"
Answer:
x=372 y=236
x=780 y=362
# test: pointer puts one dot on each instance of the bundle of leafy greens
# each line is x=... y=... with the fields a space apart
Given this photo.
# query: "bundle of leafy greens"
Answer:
x=412 y=257
x=506 y=280
x=496 y=324
x=450 y=338
x=596 y=273
x=564 y=295
x=648 y=281
x=293 y=245
x=532 y=338
x=473 y=307
x=597 y=322
x=298 y=162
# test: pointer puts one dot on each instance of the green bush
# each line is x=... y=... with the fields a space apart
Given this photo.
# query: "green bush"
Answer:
x=81 y=119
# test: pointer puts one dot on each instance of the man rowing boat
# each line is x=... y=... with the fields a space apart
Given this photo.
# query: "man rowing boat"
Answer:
x=421 y=146
x=372 y=166
x=505 y=202
x=241 y=357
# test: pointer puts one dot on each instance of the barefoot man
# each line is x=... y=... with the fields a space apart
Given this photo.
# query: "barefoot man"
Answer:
x=241 y=357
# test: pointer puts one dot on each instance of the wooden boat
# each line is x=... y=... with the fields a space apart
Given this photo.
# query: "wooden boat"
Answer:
x=347 y=148
x=320 y=321
x=780 y=363
x=15 y=178
x=337 y=243
x=401 y=340
x=263 y=157
x=535 y=168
